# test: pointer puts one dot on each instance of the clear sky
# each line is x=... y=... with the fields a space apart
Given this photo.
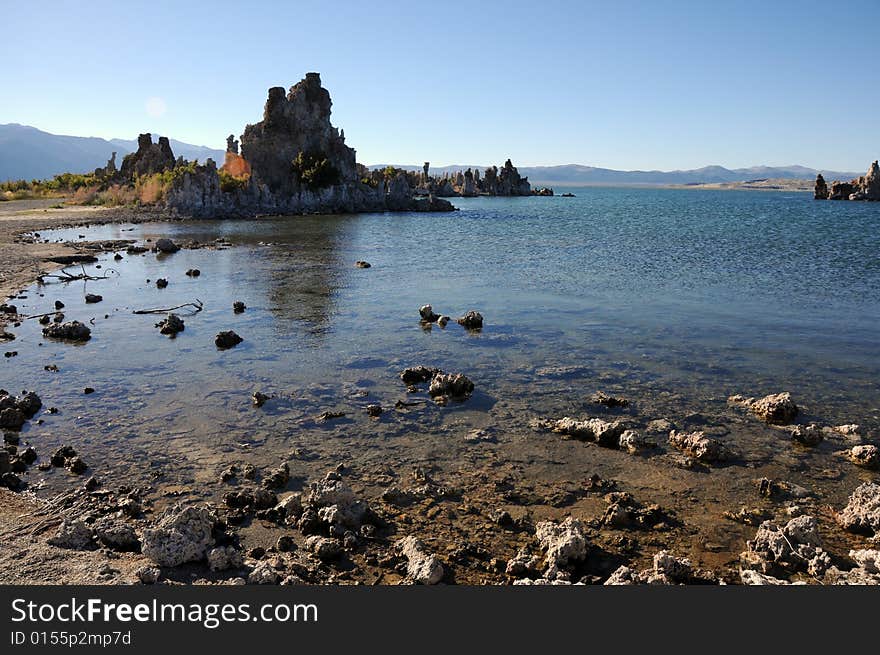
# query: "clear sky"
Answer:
x=636 y=84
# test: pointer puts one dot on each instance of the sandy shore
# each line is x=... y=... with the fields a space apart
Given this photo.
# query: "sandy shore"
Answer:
x=21 y=260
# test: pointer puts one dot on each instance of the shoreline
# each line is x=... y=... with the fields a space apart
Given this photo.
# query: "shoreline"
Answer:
x=488 y=475
x=21 y=262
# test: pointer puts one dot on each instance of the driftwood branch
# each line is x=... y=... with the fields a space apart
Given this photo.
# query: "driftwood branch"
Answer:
x=66 y=276
x=197 y=306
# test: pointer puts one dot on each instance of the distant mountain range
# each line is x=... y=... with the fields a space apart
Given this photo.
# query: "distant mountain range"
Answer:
x=578 y=175
x=27 y=153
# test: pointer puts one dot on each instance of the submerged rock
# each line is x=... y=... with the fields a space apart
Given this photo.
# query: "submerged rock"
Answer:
x=418 y=374
x=426 y=312
x=699 y=446
x=777 y=408
x=70 y=331
x=278 y=477
x=451 y=385
x=807 y=435
x=171 y=325
x=601 y=398
x=471 y=321
x=625 y=513
x=227 y=339
x=166 y=246
x=15 y=411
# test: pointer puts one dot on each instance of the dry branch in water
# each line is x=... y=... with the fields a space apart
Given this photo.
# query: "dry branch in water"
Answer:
x=197 y=307
x=64 y=276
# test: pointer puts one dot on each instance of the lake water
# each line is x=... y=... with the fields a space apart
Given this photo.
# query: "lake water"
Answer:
x=674 y=299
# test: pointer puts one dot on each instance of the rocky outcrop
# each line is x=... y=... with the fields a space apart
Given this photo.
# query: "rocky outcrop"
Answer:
x=297 y=125
x=866 y=187
x=294 y=161
x=109 y=170
x=821 y=190
x=150 y=158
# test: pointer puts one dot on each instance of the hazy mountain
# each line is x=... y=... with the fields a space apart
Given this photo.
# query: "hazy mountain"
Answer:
x=28 y=153
x=578 y=175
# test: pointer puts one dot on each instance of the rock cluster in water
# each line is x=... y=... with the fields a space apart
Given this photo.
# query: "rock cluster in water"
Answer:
x=866 y=187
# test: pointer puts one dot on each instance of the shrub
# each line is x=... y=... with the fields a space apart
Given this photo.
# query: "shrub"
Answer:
x=118 y=195
x=85 y=196
x=315 y=170
x=230 y=183
x=151 y=189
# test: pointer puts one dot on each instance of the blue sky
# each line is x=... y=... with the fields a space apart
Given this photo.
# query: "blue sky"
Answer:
x=621 y=85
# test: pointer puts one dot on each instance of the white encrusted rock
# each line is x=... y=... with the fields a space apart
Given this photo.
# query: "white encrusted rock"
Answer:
x=563 y=543
x=223 y=558
x=422 y=567
x=862 y=512
x=183 y=534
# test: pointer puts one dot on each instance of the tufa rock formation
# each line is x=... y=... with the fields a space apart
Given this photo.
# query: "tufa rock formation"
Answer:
x=295 y=136
x=866 y=187
x=293 y=161
x=821 y=191
x=109 y=170
x=150 y=158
